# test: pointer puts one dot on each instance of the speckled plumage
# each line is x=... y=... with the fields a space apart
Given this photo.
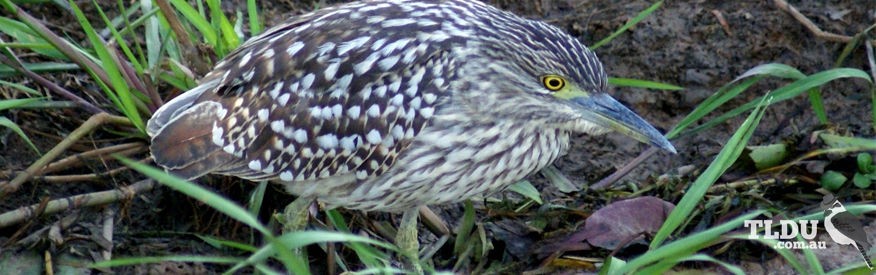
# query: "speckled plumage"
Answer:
x=383 y=105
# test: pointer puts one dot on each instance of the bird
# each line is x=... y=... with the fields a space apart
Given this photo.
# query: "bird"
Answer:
x=844 y=228
x=393 y=105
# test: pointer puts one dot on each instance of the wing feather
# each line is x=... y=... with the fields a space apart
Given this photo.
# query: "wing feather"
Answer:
x=315 y=98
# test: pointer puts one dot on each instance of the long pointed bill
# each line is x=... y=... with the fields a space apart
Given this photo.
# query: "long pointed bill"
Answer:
x=608 y=112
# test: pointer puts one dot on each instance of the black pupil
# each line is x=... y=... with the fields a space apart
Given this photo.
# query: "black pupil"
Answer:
x=554 y=83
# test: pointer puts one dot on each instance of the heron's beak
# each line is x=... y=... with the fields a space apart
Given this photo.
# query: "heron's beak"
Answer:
x=608 y=112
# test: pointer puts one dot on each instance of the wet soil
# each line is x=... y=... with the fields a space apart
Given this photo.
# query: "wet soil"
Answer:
x=682 y=43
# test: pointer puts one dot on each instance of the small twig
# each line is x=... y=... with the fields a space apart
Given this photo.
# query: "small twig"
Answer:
x=48 y=262
x=16 y=64
x=432 y=221
x=617 y=175
x=124 y=149
x=85 y=200
x=781 y=4
x=130 y=74
x=434 y=247
x=107 y=232
x=751 y=182
x=871 y=61
x=331 y=261
x=722 y=21
x=188 y=47
x=182 y=67
x=35 y=169
x=38 y=210
x=59 y=43
x=174 y=23
x=85 y=177
x=40 y=234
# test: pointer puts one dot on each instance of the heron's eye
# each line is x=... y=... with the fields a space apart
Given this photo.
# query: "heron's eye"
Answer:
x=553 y=82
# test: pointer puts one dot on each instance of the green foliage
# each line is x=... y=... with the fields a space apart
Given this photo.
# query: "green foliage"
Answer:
x=661 y=259
x=832 y=180
x=731 y=90
x=629 y=24
x=766 y=156
x=120 y=94
x=278 y=247
x=526 y=189
x=732 y=149
x=368 y=255
x=27 y=38
x=165 y=57
x=6 y=122
x=866 y=171
x=637 y=83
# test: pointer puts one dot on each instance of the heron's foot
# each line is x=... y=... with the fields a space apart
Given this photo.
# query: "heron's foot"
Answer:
x=406 y=239
x=295 y=216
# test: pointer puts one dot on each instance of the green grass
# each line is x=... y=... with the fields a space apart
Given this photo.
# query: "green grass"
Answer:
x=278 y=247
x=167 y=56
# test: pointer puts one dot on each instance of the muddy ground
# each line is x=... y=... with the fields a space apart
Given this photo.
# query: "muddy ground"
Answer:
x=683 y=43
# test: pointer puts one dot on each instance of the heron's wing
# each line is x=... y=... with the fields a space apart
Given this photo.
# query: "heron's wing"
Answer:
x=848 y=224
x=326 y=94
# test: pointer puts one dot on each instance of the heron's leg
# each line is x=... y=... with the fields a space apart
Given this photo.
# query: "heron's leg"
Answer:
x=295 y=215
x=406 y=238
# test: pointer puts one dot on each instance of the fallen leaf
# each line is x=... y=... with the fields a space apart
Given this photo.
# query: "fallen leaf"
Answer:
x=618 y=223
x=625 y=221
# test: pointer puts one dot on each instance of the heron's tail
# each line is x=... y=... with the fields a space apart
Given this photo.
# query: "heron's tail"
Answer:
x=864 y=255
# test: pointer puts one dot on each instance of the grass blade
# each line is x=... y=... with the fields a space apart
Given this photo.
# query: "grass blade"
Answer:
x=20 y=87
x=210 y=198
x=152 y=260
x=638 y=83
x=465 y=227
x=197 y=20
x=815 y=100
x=125 y=102
x=226 y=29
x=665 y=265
x=6 y=70
x=788 y=254
x=303 y=238
x=5 y=122
x=219 y=243
x=687 y=245
x=814 y=265
x=722 y=162
x=25 y=35
x=252 y=12
x=13 y=103
x=118 y=38
x=367 y=254
x=629 y=24
x=526 y=189
x=729 y=91
x=153 y=45
x=223 y=205
x=789 y=91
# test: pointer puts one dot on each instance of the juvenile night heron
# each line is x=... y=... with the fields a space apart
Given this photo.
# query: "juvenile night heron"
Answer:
x=391 y=105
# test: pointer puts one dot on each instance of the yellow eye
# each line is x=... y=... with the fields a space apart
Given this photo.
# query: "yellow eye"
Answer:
x=553 y=82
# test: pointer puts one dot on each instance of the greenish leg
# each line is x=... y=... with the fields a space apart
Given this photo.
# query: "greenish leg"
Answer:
x=406 y=238
x=295 y=216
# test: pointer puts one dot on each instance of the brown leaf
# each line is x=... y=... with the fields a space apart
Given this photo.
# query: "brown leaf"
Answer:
x=624 y=221
x=618 y=223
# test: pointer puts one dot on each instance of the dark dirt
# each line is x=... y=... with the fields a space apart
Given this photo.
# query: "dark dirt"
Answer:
x=682 y=43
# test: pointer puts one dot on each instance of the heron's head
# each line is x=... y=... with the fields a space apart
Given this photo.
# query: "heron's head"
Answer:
x=532 y=71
